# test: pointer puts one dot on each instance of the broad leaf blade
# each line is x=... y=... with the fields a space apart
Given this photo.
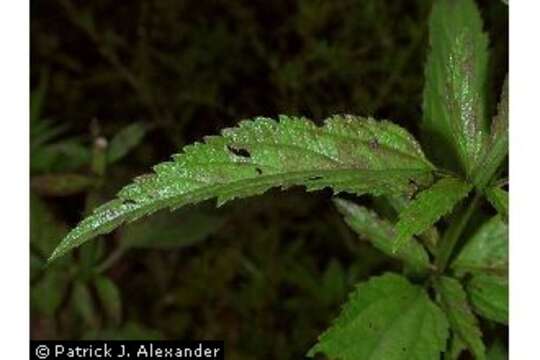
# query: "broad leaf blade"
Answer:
x=348 y=153
x=386 y=318
x=428 y=207
x=381 y=233
x=453 y=300
x=486 y=251
x=454 y=119
x=489 y=296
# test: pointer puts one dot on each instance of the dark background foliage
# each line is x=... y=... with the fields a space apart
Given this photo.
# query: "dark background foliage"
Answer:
x=267 y=274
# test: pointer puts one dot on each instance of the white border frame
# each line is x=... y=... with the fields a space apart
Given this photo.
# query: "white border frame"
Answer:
x=14 y=213
x=524 y=169
x=524 y=180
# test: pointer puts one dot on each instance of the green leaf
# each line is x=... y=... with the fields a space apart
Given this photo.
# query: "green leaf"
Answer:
x=42 y=132
x=83 y=303
x=489 y=296
x=386 y=318
x=166 y=230
x=456 y=347
x=37 y=98
x=382 y=234
x=497 y=147
x=333 y=286
x=37 y=264
x=428 y=207
x=348 y=153
x=455 y=89
x=62 y=156
x=486 y=251
x=453 y=300
x=390 y=206
x=48 y=293
x=499 y=199
x=109 y=296
x=124 y=141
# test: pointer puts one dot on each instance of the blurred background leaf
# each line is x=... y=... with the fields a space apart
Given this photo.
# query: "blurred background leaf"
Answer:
x=169 y=230
x=124 y=141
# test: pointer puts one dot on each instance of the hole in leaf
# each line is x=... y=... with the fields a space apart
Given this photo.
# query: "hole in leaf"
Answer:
x=259 y=171
x=239 y=151
x=128 y=202
x=414 y=189
x=374 y=144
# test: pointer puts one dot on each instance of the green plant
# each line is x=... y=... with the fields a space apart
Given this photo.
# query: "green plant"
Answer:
x=448 y=279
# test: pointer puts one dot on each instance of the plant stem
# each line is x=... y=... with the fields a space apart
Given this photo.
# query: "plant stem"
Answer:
x=453 y=233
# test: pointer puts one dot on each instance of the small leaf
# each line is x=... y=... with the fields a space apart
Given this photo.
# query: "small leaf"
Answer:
x=47 y=295
x=486 y=251
x=37 y=264
x=457 y=346
x=42 y=132
x=61 y=184
x=489 y=296
x=499 y=199
x=62 y=156
x=390 y=206
x=455 y=89
x=84 y=304
x=37 y=99
x=386 y=318
x=453 y=300
x=429 y=207
x=334 y=285
x=110 y=298
x=497 y=147
x=124 y=141
x=381 y=234
x=348 y=153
